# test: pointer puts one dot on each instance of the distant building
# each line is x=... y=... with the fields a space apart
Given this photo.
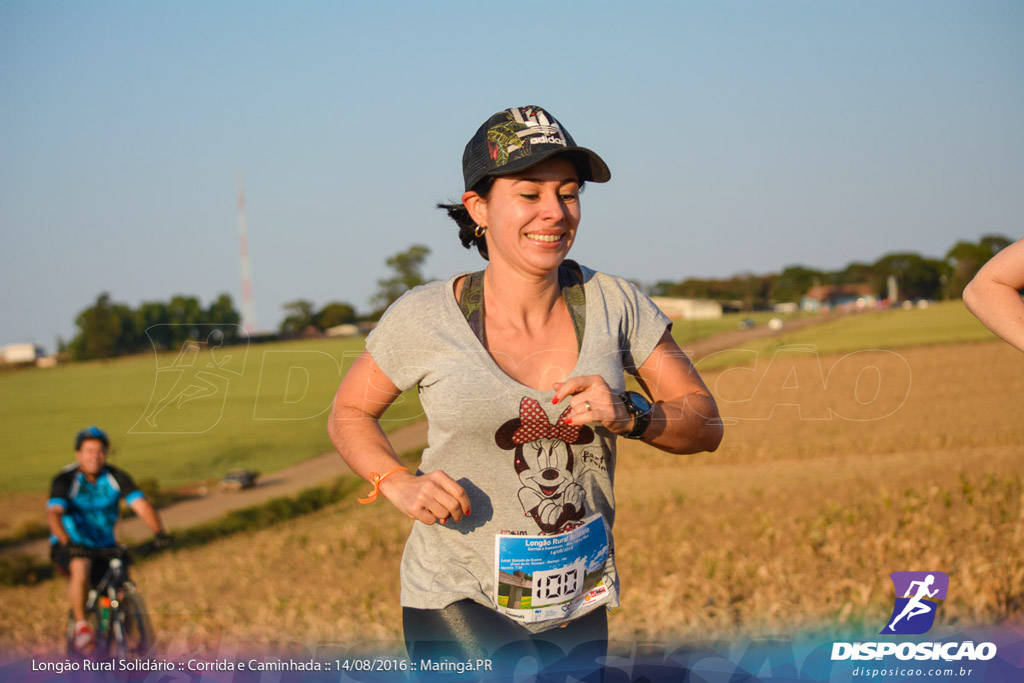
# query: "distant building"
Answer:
x=786 y=307
x=842 y=297
x=688 y=309
x=21 y=353
x=346 y=330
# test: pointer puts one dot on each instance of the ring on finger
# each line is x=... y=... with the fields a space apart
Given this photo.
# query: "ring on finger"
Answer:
x=586 y=404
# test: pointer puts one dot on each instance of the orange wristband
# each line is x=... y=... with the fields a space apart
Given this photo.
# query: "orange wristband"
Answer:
x=376 y=479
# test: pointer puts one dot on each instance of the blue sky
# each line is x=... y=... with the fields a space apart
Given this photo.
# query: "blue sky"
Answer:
x=742 y=137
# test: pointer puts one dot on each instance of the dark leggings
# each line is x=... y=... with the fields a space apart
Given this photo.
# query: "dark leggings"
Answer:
x=466 y=631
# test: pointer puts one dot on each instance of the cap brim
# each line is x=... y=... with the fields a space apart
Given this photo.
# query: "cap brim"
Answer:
x=595 y=170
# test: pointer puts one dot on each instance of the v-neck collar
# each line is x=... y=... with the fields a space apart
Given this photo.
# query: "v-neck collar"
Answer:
x=468 y=327
x=570 y=285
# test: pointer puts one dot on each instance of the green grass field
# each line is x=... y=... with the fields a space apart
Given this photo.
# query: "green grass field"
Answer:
x=262 y=407
x=684 y=331
x=183 y=419
x=941 y=323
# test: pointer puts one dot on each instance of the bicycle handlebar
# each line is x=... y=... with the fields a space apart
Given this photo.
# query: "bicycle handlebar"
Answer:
x=116 y=552
x=119 y=552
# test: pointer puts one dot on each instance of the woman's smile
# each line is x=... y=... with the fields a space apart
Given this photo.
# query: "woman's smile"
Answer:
x=541 y=237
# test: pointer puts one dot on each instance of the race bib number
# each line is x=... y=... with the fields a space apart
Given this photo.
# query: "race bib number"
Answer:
x=550 y=577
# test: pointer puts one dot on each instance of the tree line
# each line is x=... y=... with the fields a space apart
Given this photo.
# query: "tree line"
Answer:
x=917 y=277
x=407 y=272
x=107 y=329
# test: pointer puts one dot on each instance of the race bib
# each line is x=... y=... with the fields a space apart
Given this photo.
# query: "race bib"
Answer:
x=549 y=577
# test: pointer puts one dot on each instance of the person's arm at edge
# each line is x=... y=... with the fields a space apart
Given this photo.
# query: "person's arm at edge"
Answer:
x=992 y=296
x=363 y=397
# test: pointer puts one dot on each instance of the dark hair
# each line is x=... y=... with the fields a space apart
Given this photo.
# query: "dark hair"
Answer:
x=467 y=226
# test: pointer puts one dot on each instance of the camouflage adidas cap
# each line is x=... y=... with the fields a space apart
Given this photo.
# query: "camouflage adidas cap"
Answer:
x=515 y=139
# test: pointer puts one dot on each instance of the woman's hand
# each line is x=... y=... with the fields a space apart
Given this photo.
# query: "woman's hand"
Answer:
x=593 y=401
x=429 y=498
x=684 y=416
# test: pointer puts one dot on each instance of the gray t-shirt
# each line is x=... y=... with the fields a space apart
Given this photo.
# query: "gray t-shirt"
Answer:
x=525 y=472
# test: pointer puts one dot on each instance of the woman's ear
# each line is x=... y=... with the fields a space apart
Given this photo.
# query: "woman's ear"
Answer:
x=476 y=206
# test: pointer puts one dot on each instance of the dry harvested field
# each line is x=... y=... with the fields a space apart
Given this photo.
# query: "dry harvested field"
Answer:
x=793 y=525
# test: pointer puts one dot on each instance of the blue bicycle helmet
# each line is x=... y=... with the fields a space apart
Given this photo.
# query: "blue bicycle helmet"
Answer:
x=92 y=432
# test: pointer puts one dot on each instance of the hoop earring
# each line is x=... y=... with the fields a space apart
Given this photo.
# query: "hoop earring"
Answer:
x=480 y=230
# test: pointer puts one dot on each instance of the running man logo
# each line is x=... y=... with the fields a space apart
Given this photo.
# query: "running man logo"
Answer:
x=917 y=596
x=190 y=388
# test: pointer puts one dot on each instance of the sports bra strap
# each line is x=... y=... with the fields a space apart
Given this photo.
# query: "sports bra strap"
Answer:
x=570 y=280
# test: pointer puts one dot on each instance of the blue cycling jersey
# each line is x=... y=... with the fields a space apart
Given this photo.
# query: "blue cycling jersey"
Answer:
x=90 y=508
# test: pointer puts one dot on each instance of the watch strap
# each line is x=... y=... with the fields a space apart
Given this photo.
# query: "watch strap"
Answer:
x=641 y=417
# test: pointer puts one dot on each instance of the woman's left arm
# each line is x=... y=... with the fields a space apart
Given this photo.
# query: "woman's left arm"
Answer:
x=684 y=417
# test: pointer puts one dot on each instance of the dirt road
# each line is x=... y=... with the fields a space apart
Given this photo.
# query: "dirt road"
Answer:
x=327 y=466
x=288 y=481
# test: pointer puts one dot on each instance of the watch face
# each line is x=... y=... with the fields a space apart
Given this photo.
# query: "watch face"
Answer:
x=640 y=401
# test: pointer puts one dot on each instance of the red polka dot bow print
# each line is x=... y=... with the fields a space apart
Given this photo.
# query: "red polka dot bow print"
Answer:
x=535 y=424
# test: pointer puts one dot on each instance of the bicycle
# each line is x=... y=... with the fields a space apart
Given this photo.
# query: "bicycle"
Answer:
x=115 y=609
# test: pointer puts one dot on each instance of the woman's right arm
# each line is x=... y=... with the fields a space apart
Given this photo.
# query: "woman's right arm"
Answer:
x=365 y=393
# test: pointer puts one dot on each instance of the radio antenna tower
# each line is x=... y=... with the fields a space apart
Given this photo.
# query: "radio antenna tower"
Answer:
x=248 y=308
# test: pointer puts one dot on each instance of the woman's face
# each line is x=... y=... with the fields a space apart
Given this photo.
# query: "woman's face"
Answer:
x=531 y=217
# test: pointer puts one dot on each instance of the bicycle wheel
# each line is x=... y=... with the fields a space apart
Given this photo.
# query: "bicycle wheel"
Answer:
x=133 y=635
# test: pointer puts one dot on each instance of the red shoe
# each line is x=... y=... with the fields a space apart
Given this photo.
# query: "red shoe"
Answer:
x=84 y=639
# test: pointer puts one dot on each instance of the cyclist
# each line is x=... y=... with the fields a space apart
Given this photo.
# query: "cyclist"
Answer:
x=81 y=513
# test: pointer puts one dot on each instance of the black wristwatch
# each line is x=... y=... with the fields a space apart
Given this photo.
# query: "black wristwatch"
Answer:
x=640 y=408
